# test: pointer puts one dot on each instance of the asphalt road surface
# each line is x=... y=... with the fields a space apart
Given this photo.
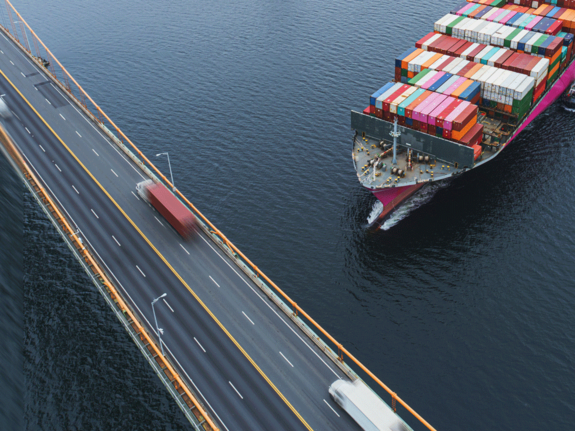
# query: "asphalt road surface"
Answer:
x=253 y=368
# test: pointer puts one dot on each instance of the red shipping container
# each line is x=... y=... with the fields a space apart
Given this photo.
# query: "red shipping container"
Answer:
x=558 y=14
x=467 y=68
x=431 y=129
x=369 y=110
x=423 y=126
x=472 y=54
x=445 y=64
x=174 y=211
x=415 y=125
x=421 y=41
x=441 y=117
x=455 y=47
x=476 y=151
x=465 y=117
x=401 y=120
x=463 y=48
x=447 y=134
x=474 y=136
x=433 y=45
x=548 y=9
x=501 y=60
x=448 y=44
x=520 y=65
x=531 y=65
x=394 y=96
x=553 y=47
x=510 y=61
x=555 y=28
x=387 y=116
x=379 y=113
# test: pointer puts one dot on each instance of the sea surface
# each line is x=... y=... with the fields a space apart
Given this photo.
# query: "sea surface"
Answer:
x=464 y=304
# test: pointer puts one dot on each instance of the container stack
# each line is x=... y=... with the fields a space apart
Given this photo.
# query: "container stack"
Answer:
x=427 y=111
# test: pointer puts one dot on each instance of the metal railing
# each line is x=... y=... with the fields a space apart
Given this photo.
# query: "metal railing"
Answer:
x=82 y=99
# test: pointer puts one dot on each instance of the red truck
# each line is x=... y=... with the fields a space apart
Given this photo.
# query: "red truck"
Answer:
x=169 y=206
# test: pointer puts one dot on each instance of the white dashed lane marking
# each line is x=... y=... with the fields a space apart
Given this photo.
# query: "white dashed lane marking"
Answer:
x=158 y=220
x=75 y=189
x=215 y=282
x=135 y=196
x=331 y=408
x=201 y=347
x=94 y=212
x=58 y=167
x=48 y=101
x=171 y=309
x=78 y=134
x=114 y=173
x=248 y=318
x=95 y=152
x=286 y=359
x=141 y=272
x=119 y=245
x=237 y=392
x=184 y=249
x=42 y=148
x=62 y=117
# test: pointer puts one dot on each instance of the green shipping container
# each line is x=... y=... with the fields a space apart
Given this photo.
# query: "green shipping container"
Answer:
x=449 y=28
x=537 y=44
x=417 y=77
x=509 y=38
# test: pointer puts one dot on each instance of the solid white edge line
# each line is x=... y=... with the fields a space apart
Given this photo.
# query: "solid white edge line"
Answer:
x=75 y=189
x=135 y=195
x=158 y=220
x=141 y=272
x=201 y=347
x=94 y=212
x=286 y=359
x=142 y=315
x=214 y=281
x=171 y=309
x=114 y=173
x=183 y=247
x=237 y=392
x=119 y=245
x=248 y=318
x=332 y=409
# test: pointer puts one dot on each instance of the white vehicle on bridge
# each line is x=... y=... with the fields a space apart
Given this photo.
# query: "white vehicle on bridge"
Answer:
x=365 y=407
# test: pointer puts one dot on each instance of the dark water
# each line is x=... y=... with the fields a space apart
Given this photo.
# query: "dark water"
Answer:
x=465 y=306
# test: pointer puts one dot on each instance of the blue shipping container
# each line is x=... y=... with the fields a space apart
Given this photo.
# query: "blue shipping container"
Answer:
x=553 y=11
x=470 y=92
x=483 y=12
x=522 y=42
x=440 y=82
x=514 y=19
x=380 y=92
x=404 y=55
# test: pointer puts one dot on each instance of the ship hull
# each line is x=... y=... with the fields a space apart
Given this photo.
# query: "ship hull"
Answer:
x=393 y=198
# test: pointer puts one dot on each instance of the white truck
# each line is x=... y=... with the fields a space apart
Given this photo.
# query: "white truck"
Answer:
x=364 y=406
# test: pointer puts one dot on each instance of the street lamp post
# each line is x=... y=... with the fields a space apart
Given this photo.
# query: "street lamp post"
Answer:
x=25 y=34
x=160 y=330
x=170 y=166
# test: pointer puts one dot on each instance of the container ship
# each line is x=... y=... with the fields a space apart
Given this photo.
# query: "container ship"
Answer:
x=462 y=94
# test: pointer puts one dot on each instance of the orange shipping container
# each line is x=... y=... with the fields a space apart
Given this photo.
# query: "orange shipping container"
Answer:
x=406 y=60
x=461 y=88
x=473 y=71
x=458 y=135
x=432 y=60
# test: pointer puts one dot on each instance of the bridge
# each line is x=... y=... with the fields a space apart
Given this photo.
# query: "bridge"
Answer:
x=235 y=351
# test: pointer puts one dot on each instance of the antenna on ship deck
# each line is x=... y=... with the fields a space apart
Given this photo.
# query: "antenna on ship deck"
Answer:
x=395 y=134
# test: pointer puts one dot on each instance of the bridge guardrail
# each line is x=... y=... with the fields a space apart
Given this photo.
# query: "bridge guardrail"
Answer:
x=296 y=311
x=186 y=400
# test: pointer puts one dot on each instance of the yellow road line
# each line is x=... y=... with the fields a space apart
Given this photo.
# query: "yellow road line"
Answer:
x=165 y=261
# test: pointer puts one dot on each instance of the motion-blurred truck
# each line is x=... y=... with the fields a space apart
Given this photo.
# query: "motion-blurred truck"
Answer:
x=170 y=207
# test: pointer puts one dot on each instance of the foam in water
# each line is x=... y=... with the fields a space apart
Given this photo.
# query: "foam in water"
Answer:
x=375 y=211
x=416 y=201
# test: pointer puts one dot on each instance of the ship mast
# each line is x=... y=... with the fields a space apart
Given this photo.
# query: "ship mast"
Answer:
x=395 y=134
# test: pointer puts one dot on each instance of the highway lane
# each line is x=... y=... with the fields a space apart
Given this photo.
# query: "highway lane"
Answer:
x=212 y=371
x=221 y=287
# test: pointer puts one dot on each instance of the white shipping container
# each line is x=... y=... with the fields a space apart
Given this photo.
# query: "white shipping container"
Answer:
x=530 y=42
x=524 y=88
x=483 y=53
x=435 y=65
x=430 y=41
x=496 y=56
x=518 y=38
x=380 y=99
x=426 y=78
x=498 y=83
x=445 y=19
x=477 y=31
x=459 y=66
x=452 y=65
x=519 y=78
x=491 y=12
x=468 y=50
x=492 y=78
x=540 y=68
x=477 y=75
x=506 y=85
